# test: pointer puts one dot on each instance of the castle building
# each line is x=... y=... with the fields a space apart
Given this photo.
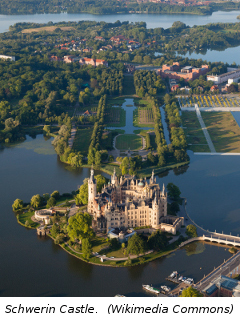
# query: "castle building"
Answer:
x=128 y=202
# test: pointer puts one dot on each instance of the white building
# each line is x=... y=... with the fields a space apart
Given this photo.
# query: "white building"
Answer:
x=219 y=79
x=5 y=57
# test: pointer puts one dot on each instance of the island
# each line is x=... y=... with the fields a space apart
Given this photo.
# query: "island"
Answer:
x=124 y=222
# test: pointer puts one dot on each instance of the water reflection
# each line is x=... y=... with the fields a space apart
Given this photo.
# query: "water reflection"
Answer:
x=194 y=248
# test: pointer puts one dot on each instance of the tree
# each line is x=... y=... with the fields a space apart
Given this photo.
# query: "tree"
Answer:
x=36 y=201
x=10 y=124
x=51 y=202
x=54 y=230
x=101 y=181
x=157 y=241
x=86 y=248
x=82 y=196
x=17 y=205
x=135 y=245
x=191 y=231
x=91 y=156
x=98 y=158
x=79 y=227
x=191 y=292
x=173 y=191
x=114 y=244
x=46 y=130
x=55 y=194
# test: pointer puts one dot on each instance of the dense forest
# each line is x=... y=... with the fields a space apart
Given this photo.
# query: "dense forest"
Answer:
x=107 y=7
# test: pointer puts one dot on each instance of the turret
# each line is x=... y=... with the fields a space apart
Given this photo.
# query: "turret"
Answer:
x=152 y=179
x=92 y=190
x=114 y=177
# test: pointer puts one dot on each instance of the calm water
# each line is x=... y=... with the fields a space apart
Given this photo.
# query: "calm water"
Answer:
x=152 y=20
x=211 y=185
x=228 y=55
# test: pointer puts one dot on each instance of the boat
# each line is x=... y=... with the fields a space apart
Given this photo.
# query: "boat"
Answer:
x=150 y=288
x=165 y=288
x=174 y=274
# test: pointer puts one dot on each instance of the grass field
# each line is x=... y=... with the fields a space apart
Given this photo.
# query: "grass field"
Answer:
x=126 y=141
x=82 y=140
x=193 y=132
x=48 y=29
x=223 y=130
x=115 y=116
x=143 y=115
x=27 y=217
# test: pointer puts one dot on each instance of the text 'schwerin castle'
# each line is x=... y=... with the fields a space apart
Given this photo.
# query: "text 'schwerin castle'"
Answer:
x=130 y=202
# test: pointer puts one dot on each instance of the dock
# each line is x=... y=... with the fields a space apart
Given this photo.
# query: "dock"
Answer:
x=174 y=280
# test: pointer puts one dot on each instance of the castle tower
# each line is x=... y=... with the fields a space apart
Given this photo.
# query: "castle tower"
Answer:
x=114 y=179
x=155 y=212
x=92 y=191
x=152 y=179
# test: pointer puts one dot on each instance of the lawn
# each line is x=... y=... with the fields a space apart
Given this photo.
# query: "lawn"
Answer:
x=82 y=140
x=223 y=130
x=126 y=141
x=115 y=116
x=143 y=115
x=193 y=132
x=27 y=217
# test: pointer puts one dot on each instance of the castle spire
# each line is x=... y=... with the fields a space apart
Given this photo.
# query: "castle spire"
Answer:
x=163 y=189
x=91 y=179
x=152 y=177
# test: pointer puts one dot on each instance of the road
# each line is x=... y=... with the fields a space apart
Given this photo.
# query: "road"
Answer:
x=223 y=269
x=204 y=129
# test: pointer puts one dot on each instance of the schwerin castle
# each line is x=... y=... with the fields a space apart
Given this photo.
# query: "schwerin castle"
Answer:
x=128 y=202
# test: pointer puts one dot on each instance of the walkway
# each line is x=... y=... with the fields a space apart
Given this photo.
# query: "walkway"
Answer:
x=213 y=109
x=73 y=133
x=224 y=269
x=204 y=129
x=164 y=124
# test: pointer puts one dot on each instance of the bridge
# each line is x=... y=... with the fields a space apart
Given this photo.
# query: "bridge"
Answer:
x=215 y=238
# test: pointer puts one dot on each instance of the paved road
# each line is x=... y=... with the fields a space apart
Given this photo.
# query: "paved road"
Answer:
x=223 y=269
x=204 y=129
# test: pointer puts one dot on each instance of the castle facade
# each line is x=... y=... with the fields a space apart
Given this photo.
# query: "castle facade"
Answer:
x=129 y=202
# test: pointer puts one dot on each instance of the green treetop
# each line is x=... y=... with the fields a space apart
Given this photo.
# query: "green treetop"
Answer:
x=36 y=201
x=191 y=292
x=79 y=227
x=17 y=205
x=135 y=245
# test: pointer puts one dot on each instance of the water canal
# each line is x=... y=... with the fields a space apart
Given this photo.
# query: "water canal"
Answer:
x=211 y=185
x=129 y=107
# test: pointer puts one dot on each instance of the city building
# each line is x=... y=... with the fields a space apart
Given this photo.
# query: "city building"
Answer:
x=187 y=73
x=219 y=79
x=223 y=286
x=129 y=202
x=93 y=62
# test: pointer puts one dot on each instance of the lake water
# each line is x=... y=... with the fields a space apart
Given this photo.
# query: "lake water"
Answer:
x=228 y=55
x=152 y=20
x=210 y=184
